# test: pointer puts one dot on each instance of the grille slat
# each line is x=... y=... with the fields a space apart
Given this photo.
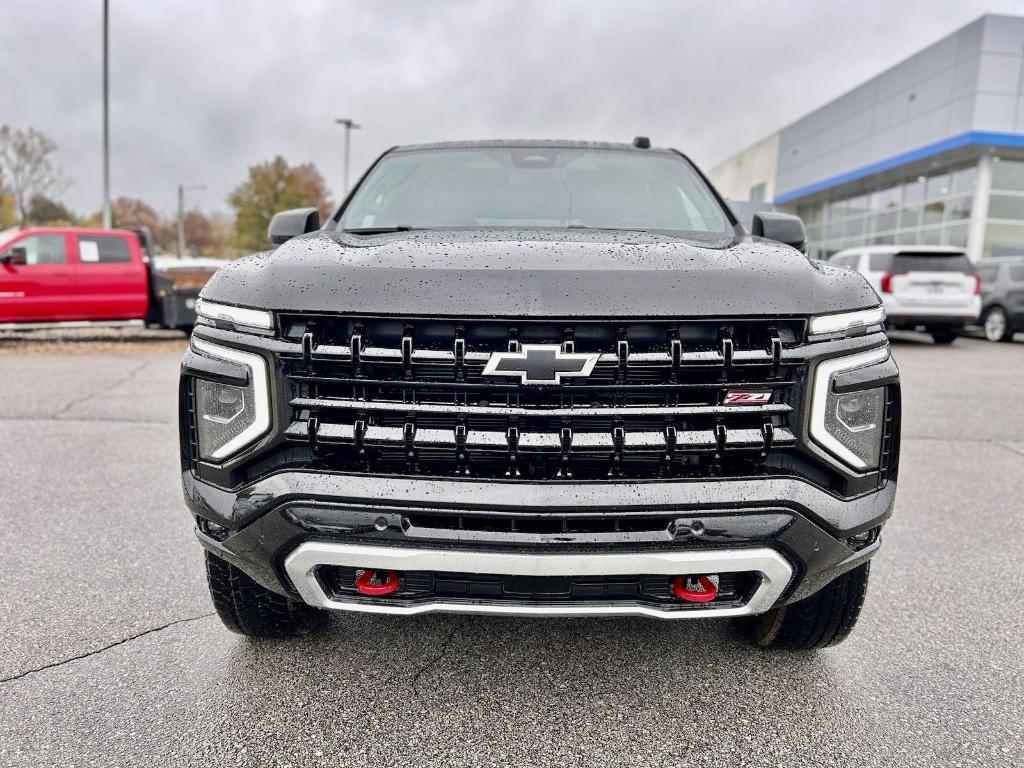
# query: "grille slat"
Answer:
x=692 y=439
x=413 y=397
x=623 y=411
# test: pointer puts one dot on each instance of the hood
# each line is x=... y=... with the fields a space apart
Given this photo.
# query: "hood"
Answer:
x=546 y=273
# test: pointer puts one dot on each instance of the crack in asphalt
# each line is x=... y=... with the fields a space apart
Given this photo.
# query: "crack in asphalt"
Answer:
x=89 y=395
x=116 y=643
x=1012 y=447
x=440 y=654
x=102 y=420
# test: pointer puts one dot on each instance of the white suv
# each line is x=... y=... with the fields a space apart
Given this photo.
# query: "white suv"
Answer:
x=923 y=287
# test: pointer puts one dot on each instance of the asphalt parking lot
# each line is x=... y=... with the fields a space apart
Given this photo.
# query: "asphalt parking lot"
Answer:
x=111 y=655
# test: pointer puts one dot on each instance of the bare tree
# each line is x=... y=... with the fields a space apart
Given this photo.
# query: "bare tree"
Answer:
x=26 y=169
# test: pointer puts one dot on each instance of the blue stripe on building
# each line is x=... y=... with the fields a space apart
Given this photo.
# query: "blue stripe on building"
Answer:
x=930 y=150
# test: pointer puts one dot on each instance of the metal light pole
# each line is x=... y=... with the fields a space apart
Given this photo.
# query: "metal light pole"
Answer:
x=106 y=115
x=349 y=127
x=181 y=215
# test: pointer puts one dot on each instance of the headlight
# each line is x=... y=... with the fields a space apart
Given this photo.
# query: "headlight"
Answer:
x=230 y=417
x=251 y=320
x=848 y=425
x=846 y=321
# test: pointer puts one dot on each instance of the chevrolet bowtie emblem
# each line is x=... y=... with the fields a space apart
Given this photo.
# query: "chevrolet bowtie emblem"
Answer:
x=540 y=364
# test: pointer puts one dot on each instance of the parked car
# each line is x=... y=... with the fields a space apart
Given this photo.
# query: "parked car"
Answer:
x=923 y=288
x=79 y=276
x=1002 y=297
x=539 y=378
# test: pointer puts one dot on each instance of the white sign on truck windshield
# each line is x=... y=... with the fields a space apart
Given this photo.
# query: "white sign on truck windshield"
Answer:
x=88 y=250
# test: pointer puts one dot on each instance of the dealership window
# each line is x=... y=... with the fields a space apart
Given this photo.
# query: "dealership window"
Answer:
x=1003 y=206
x=955 y=235
x=965 y=180
x=1003 y=239
x=913 y=191
x=758 y=193
x=1008 y=175
x=854 y=226
x=926 y=210
x=937 y=186
x=1004 y=230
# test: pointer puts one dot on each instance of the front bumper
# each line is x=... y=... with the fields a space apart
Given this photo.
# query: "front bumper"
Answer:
x=793 y=537
x=936 y=322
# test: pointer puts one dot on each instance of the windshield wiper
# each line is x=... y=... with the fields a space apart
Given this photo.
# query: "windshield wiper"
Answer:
x=609 y=229
x=379 y=230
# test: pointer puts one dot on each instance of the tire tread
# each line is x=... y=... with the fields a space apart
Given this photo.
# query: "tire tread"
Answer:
x=250 y=609
x=825 y=618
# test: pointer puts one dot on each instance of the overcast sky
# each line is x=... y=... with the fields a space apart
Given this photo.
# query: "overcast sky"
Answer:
x=201 y=90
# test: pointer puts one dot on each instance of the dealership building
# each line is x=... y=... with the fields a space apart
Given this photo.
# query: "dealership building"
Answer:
x=928 y=152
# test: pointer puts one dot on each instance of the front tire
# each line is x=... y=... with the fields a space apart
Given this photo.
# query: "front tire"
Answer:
x=823 y=619
x=944 y=337
x=997 y=325
x=249 y=609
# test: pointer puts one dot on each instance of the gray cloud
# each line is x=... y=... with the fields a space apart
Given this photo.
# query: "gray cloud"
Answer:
x=202 y=90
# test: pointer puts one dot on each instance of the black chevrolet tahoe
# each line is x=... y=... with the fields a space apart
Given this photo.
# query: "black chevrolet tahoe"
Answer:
x=539 y=378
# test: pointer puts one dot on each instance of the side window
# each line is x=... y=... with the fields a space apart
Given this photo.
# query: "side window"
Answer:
x=42 y=249
x=988 y=274
x=103 y=249
x=1017 y=273
x=881 y=262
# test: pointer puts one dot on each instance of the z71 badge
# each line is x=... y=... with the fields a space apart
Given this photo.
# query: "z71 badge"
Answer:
x=735 y=397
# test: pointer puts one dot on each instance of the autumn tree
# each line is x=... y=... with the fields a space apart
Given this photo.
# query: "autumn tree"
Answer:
x=272 y=187
x=8 y=216
x=43 y=210
x=223 y=235
x=206 y=235
x=132 y=212
x=26 y=166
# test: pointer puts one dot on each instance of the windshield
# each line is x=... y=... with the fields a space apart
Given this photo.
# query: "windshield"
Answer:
x=535 y=187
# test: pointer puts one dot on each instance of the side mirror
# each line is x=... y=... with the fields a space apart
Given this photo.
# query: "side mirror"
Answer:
x=288 y=224
x=14 y=256
x=781 y=227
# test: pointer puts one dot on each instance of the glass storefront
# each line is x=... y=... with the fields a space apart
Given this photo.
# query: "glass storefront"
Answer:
x=1004 y=229
x=924 y=210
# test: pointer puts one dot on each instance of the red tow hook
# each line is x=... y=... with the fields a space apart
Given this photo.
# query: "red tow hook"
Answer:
x=368 y=583
x=706 y=594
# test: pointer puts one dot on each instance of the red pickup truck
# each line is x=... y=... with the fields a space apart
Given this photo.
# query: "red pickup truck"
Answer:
x=73 y=275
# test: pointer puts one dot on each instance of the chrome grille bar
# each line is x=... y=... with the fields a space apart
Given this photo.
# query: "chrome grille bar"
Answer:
x=482 y=410
x=370 y=354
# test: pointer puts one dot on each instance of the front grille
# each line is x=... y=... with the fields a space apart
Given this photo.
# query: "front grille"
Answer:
x=733 y=588
x=409 y=397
